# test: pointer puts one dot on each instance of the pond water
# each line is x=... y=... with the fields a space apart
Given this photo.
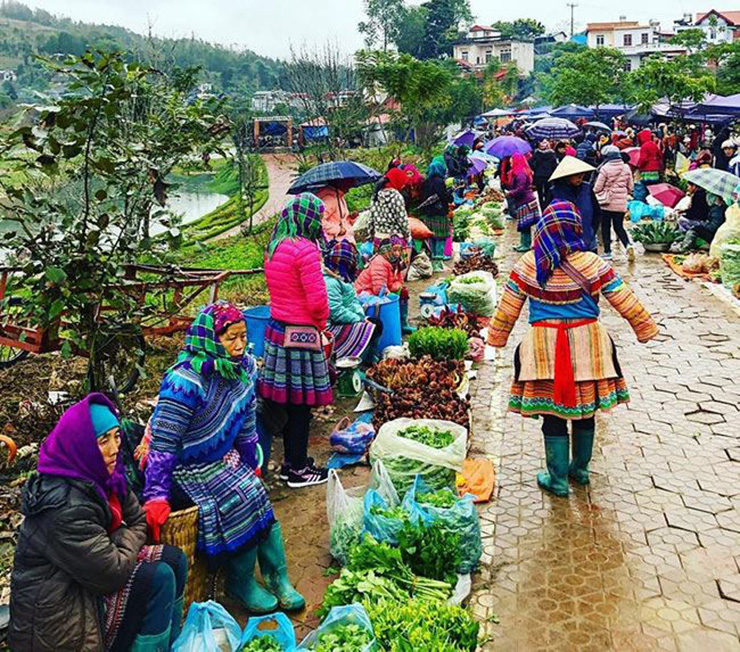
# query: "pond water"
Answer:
x=192 y=205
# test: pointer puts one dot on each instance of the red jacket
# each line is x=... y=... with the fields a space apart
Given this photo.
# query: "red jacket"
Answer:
x=651 y=160
x=377 y=274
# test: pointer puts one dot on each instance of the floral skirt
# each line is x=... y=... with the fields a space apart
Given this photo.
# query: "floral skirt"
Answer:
x=295 y=376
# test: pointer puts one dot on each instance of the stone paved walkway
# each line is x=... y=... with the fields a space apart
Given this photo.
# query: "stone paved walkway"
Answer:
x=648 y=557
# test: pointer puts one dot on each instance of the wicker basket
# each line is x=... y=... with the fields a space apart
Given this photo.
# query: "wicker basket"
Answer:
x=181 y=530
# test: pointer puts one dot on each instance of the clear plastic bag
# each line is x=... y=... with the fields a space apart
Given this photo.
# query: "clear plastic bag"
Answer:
x=729 y=231
x=277 y=625
x=479 y=297
x=208 y=628
x=344 y=509
x=350 y=614
x=404 y=458
x=420 y=268
x=462 y=518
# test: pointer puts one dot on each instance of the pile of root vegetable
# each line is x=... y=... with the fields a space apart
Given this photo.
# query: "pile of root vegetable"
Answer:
x=476 y=262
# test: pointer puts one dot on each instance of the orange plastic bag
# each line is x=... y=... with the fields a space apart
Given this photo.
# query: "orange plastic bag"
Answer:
x=478 y=478
x=419 y=230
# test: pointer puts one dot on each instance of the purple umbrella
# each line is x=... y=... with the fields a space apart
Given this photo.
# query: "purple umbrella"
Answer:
x=504 y=146
x=477 y=165
x=465 y=138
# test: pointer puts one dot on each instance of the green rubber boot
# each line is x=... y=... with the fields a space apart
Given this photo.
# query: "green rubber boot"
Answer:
x=275 y=571
x=242 y=585
x=555 y=479
x=151 y=642
x=525 y=241
x=406 y=328
x=583 y=444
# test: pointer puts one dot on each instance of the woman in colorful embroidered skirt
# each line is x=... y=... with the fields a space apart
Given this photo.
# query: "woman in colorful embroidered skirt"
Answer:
x=203 y=450
x=436 y=214
x=352 y=330
x=522 y=200
x=296 y=369
x=566 y=367
x=83 y=578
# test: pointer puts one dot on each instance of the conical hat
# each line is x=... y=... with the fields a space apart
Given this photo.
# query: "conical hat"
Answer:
x=569 y=166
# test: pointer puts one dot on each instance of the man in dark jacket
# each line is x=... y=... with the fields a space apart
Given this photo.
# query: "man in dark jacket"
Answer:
x=543 y=164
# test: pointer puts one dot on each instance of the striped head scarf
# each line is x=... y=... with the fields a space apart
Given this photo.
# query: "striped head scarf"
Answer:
x=300 y=218
x=341 y=258
x=385 y=248
x=203 y=351
x=437 y=168
x=558 y=233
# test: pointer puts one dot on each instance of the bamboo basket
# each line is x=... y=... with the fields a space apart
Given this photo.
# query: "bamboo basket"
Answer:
x=181 y=530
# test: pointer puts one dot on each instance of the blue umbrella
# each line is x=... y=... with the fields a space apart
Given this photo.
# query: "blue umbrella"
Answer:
x=552 y=128
x=351 y=174
x=504 y=146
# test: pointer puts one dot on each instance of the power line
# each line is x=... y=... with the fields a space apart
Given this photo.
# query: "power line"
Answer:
x=572 y=6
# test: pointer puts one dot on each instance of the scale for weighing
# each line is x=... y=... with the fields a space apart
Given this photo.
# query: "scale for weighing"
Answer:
x=349 y=377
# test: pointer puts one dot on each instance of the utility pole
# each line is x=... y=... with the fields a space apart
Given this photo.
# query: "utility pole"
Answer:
x=572 y=6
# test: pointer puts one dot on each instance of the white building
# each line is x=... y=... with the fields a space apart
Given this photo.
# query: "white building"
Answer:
x=634 y=40
x=718 y=26
x=483 y=44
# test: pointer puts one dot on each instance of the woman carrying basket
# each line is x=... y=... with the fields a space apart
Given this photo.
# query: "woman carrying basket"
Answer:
x=203 y=450
x=566 y=367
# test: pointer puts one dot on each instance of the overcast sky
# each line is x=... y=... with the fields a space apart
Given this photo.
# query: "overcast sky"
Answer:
x=269 y=26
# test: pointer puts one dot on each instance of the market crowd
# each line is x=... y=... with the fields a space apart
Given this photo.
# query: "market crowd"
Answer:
x=90 y=569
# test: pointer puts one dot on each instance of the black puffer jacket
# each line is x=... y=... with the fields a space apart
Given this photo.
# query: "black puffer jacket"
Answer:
x=65 y=561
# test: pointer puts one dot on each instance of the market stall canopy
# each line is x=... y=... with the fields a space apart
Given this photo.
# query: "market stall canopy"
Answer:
x=553 y=128
x=504 y=146
x=634 y=117
x=349 y=173
x=466 y=138
x=497 y=113
x=572 y=112
x=594 y=124
x=611 y=110
x=715 y=181
x=718 y=105
x=666 y=194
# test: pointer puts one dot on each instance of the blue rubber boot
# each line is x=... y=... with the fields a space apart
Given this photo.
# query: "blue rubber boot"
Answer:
x=555 y=479
x=274 y=568
x=583 y=444
x=242 y=585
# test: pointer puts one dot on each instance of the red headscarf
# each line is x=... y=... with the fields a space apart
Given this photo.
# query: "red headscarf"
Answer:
x=397 y=179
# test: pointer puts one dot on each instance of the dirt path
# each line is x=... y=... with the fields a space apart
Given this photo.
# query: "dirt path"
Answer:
x=280 y=174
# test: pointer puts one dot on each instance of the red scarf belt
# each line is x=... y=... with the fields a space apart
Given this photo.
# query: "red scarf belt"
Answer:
x=565 y=383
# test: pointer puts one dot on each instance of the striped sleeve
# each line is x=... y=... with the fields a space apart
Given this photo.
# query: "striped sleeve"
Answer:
x=626 y=303
x=508 y=311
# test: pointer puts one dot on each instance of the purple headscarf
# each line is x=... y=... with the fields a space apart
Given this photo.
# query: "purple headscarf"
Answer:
x=71 y=450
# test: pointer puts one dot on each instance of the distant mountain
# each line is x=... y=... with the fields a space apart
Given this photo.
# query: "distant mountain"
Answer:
x=25 y=32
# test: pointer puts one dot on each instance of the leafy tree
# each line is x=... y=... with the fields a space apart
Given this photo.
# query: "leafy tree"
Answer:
x=589 y=77
x=693 y=40
x=522 y=28
x=85 y=180
x=500 y=84
x=383 y=22
x=411 y=30
x=443 y=18
x=677 y=80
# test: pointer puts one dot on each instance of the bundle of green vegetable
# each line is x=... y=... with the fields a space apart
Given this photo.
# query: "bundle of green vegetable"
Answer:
x=389 y=512
x=377 y=571
x=343 y=638
x=461 y=223
x=427 y=626
x=430 y=550
x=655 y=232
x=474 y=291
x=402 y=471
x=343 y=535
x=264 y=643
x=428 y=436
x=730 y=265
x=443 y=498
x=439 y=343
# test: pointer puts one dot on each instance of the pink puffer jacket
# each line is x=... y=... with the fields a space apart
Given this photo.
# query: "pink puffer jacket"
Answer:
x=296 y=285
x=613 y=186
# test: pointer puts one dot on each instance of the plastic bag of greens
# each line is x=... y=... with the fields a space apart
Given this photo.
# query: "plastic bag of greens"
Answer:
x=458 y=514
x=344 y=509
x=381 y=520
x=728 y=232
x=346 y=628
x=273 y=626
x=208 y=628
x=729 y=265
x=492 y=209
x=433 y=448
x=476 y=291
x=487 y=246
